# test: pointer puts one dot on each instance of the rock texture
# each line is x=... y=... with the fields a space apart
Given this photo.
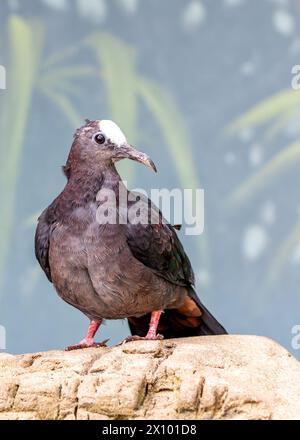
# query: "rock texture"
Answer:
x=213 y=377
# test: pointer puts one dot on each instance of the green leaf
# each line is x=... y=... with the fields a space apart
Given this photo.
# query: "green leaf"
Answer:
x=62 y=55
x=25 y=41
x=65 y=105
x=288 y=157
x=269 y=109
x=278 y=125
x=117 y=70
x=62 y=73
x=168 y=118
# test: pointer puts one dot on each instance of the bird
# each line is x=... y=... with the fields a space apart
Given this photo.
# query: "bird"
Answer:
x=109 y=270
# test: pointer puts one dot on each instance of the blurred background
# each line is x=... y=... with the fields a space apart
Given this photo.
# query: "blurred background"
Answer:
x=205 y=88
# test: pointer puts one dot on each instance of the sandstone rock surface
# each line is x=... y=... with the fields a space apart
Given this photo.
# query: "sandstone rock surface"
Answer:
x=213 y=377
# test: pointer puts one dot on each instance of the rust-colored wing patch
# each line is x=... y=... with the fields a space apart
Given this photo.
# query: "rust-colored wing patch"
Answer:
x=190 y=308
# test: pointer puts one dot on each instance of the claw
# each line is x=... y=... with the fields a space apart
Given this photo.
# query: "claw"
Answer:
x=141 y=338
x=87 y=344
x=151 y=335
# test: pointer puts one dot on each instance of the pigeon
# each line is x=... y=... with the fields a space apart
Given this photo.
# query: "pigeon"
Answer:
x=108 y=266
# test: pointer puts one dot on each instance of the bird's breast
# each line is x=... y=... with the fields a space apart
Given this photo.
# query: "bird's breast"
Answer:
x=94 y=269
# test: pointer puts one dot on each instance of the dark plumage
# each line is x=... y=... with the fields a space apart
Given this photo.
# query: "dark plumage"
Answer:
x=115 y=271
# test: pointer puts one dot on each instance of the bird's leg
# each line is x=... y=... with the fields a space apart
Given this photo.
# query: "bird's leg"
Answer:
x=88 y=341
x=155 y=316
x=151 y=335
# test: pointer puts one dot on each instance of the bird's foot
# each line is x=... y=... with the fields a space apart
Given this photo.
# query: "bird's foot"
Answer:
x=148 y=337
x=87 y=343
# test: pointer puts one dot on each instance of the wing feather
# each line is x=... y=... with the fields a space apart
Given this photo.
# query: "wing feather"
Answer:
x=158 y=247
x=44 y=229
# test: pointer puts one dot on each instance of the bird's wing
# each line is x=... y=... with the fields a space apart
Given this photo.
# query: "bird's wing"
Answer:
x=46 y=223
x=158 y=247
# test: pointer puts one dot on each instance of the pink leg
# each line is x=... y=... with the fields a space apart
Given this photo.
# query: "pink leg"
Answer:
x=151 y=335
x=155 y=316
x=88 y=341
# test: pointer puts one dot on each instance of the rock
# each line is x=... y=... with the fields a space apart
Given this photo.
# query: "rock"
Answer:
x=212 y=377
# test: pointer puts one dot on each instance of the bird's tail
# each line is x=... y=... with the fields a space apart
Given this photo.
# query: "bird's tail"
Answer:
x=191 y=319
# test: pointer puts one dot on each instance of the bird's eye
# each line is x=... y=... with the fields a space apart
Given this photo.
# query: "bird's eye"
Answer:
x=99 y=138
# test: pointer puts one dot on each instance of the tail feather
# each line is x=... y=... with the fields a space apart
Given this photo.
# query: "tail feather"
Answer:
x=209 y=323
x=182 y=322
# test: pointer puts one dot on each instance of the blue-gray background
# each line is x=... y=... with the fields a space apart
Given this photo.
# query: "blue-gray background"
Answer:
x=205 y=88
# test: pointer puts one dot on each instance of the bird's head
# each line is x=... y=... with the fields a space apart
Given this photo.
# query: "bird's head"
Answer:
x=102 y=143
